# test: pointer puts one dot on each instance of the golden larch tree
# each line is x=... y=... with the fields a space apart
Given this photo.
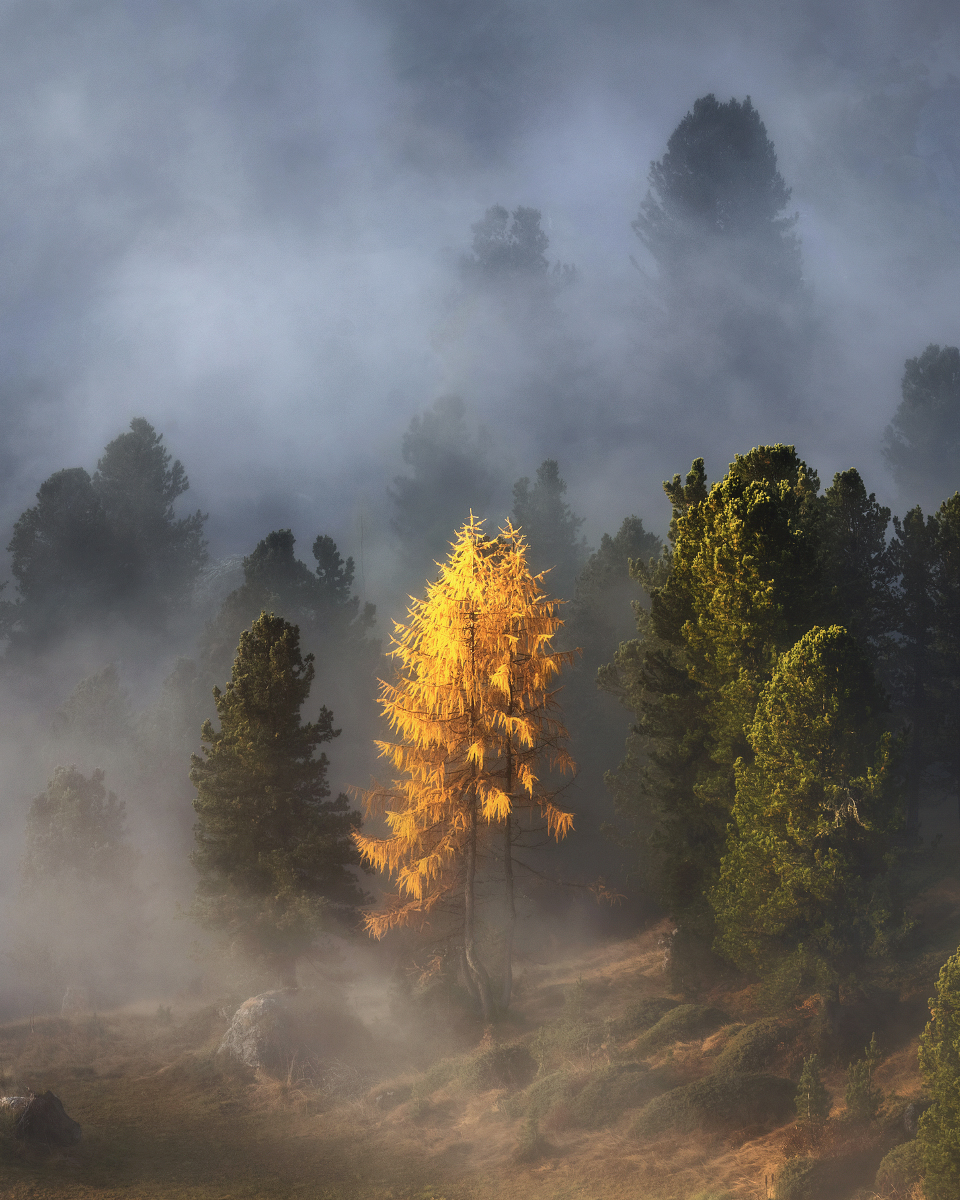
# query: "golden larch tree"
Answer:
x=477 y=724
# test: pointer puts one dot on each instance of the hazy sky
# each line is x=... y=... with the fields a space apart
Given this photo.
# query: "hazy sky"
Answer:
x=231 y=219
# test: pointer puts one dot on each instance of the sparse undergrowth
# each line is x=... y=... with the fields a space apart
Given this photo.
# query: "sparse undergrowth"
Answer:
x=695 y=1106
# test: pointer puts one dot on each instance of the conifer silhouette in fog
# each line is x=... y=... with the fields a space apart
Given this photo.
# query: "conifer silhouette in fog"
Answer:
x=922 y=441
x=107 y=546
x=728 y=286
x=717 y=192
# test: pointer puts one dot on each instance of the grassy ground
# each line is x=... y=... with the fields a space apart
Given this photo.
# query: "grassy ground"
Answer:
x=551 y=1104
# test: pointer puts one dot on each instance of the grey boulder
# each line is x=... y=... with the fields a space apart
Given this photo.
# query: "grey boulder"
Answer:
x=260 y=1033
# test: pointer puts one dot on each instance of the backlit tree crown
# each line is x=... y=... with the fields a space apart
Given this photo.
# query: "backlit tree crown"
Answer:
x=475 y=719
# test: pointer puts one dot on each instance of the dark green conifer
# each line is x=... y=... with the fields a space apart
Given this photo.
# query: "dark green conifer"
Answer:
x=813 y=1100
x=862 y=1095
x=855 y=563
x=912 y=671
x=739 y=585
x=938 y=1135
x=274 y=854
x=807 y=869
x=319 y=602
x=946 y=641
x=718 y=187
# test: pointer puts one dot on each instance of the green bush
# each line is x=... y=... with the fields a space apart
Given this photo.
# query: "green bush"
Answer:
x=498 y=1067
x=571 y=1036
x=589 y=1101
x=611 y=1093
x=438 y=1076
x=726 y=1100
x=752 y=1049
x=644 y=1013
x=681 y=1024
x=509 y=1067
x=531 y=1145
x=798 y=1179
x=898 y=1172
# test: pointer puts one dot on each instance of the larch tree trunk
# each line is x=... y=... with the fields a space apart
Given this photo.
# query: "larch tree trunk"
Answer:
x=477 y=973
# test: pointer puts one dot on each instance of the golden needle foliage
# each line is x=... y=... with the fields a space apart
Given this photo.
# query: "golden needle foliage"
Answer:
x=475 y=720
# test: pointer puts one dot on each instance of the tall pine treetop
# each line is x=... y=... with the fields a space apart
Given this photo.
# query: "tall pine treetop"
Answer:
x=717 y=184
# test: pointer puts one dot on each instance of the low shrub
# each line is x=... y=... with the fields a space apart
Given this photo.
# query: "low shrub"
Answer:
x=898 y=1172
x=721 y=1101
x=531 y=1144
x=643 y=1013
x=572 y=1036
x=588 y=1101
x=542 y=1095
x=611 y=1093
x=509 y=1067
x=798 y=1179
x=683 y=1023
x=753 y=1048
x=438 y=1076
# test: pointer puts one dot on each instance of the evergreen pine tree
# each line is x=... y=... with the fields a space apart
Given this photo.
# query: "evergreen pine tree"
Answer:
x=912 y=671
x=449 y=477
x=274 y=854
x=601 y=616
x=807 y=868
x=727 y=300
x=506 y=246
x=81 y=911
x=739 y=585
x=97 y=712
x=92 y=550
x=938 y=1135
x=862 y=1095
x=718 y=189
x=319 y=602
x=160 y=555
x=76 y=835
x=813 y=1099
x=946 y=641
x=855 y=563
x=64 y=559
x=551 y=528
x=922 y=442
